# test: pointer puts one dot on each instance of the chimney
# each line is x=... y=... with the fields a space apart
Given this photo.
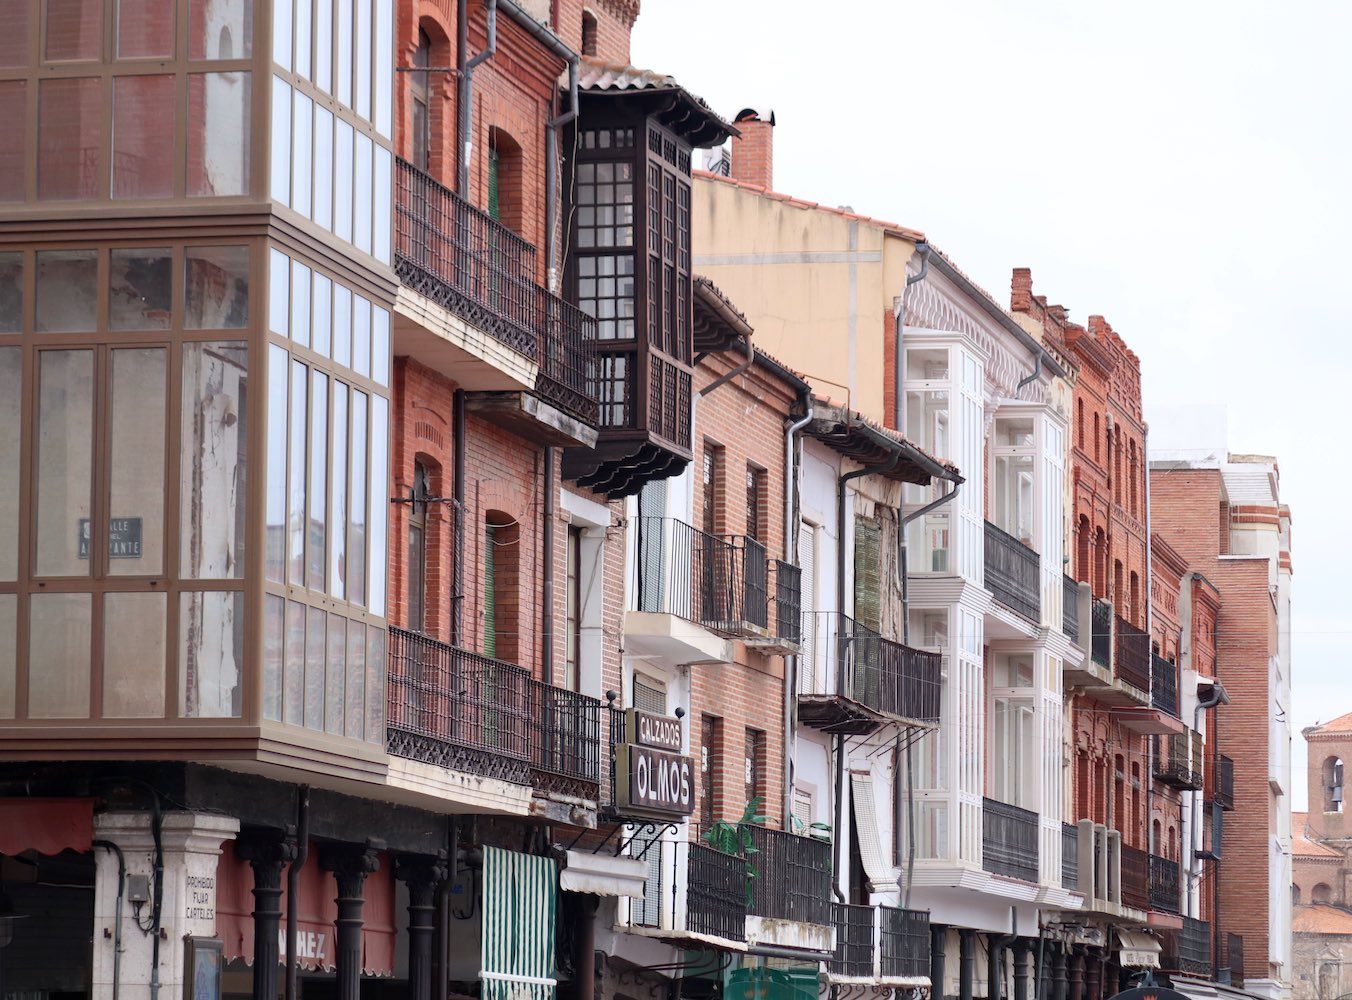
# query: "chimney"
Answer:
x=1021 y=290
x=753 y=150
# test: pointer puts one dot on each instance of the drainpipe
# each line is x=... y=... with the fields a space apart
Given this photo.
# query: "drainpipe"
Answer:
x=790 y=550
x=898 y=378
x=293 y=887
x=551 y=177
x=1032 y=376
x=464 y=67
x=1217 y=696
x=547 y=577
x=839 y=818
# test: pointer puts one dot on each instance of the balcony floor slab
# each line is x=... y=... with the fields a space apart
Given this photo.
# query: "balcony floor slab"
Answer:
x=1148 y=721
x=472 y=358
x=673 y=640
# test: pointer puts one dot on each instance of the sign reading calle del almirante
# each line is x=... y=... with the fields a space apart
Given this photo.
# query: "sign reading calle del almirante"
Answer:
x=652 y=777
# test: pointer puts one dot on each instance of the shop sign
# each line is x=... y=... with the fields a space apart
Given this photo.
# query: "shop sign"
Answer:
x=653 y=781
x=661 y=732
x=124 y=538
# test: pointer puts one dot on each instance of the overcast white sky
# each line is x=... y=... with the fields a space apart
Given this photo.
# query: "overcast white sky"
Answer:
x=1182 y=168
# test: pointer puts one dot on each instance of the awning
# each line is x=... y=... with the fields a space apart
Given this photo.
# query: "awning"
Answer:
x=316 y=911
x=520 y=897
x=47 y=826
x=1138 y=950
x=882 y=877
x=603 y=874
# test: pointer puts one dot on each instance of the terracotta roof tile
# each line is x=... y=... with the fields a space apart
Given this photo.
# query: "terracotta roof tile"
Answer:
x=1342 y=724
x=1302 y=846
x=1321 y=918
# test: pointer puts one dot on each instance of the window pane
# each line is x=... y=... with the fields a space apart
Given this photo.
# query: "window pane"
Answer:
x=315 y=641
x=70 y=135
x=380 y=440
x=375 y=684
x=361 y=335
x=280 y=146
x=58 y=656
x=342 y=326
x=338 y=537
x=342 y=181
x=316 y=551
x=273 y=608
x=344 y=65
x=220 y=29
x=302 y=121
x=381 y=205
x=64 y=454
x=13 y=154
x=9 y=637
x=143 y=137
x=361 y=55
x=11 y=292
x=145 y=28
x=275 y=529
x=11 y=381
x=217 y=292
x=67 y=290
x=355 y=709
x=218 y=134
x=323 y=164
x=384 y=67
x=140 y=283
x=293 y=687
x=380 y=346
x=212 y=463
x=356 y=537
x=211 y=654
x=303 y=42
x=279 y=292
x=300 y=303
x=14 y=34
x=322 y=332
x=281 y=33
x=134 y=627
x=295 y=506
x=336 y=679
x=74 y=29
x=361 y=223
x=324 y=45
x=136 y=462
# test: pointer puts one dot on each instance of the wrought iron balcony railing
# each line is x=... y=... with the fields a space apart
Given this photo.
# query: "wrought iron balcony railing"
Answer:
x=904 y=942
x=464 y=260
x=790 y=876
x=1133 y=655
x=1135 y=877
x=1221 y=779
x=1070 y=608
x=1012 y=573
x=1164 y=685
x=854 y=941
x=788 y=590
x=1164 y=884
x=1009 y=840
x=718 y=582
x=566 y=741
x=878 y=673
x=1101 y=640
x=715 y=893
x=1178 y=760
x=1188 y=950
x=1070 y=856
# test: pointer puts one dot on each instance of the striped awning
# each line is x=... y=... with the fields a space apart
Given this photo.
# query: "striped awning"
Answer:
x=520 y=897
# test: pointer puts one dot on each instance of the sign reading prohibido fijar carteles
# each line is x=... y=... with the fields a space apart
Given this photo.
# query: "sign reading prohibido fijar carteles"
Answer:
x=651 y=776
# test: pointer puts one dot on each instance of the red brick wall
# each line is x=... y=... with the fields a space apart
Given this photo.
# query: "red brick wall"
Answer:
x=614 y=23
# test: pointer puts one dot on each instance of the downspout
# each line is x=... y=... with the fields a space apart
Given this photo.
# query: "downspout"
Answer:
x=909 y=847
x=108 y=845
x=293 y=887
x=464 y=67
x=157 y=901
x=547 y=577
x=898 y=376
x=1032 y=376
x=839 y=803
x=1218 y=696
x=790 y=551
x=551 y=177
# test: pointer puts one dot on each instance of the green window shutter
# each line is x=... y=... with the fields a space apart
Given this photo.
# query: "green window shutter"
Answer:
x=867 y=575
x=493 y=208
x=490 y=608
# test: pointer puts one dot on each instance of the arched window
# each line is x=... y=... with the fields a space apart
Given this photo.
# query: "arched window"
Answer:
x=1173 y=843
x=1135 y=614
x=225 y=45
x=1333 y=785
x=1084 y=569
x=422 y=105
x=588 y=33
x=505 y=197
x=1131 y=475
x=1100 y=564
x=1321 y=893
x=1119 y=592
x=502 y=591
x=1096 y=438
x=1295 y=895
x=1079 y=422
x=1156 y=844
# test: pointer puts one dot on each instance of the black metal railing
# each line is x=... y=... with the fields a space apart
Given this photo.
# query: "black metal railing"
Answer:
x=1164 y=884
x=566 y=371
x=790 y=876
x=1135 y=877
x=1164 y=685
x=879 y=673
x=1012 y=573
x=1178 y=760
x=715 y=894
x=1188 y=950
x=1222 y=781
x=788 y=589
x=1009 y=840
x=1133 y=655
x=566 y=740
x=720 y=583
x=1070 y=856
x=904 y=942
x=1101 y=641
x=1070 y=608
x=854 y=940
x=1234 y=957
x=458 y=709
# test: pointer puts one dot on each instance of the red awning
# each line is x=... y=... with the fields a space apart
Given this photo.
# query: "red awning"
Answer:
x=48 y=826
x=316 y=911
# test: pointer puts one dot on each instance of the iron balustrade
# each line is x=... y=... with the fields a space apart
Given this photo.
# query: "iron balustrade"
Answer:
x=1178 y=760
x=458 y=709
x=1164 y=685
x=1012 y=573
x=1164 y=884
x=1234 y=957
x=715 y=893
x=566 y=751
x=904 y=942
x=1133 y=655
x=1009 y=840
x=1188 y=950
x=879 y=673
x=566 y=373
x=1222 y=777
x=788 y=584
x=1101 y=640
x=790 y=876
x=1070 y=608
x=1070 y=856
x=854 y=940
x=1135 y=877
x=717 y=582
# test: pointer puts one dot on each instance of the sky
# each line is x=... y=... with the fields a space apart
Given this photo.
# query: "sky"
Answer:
x=1181 y=168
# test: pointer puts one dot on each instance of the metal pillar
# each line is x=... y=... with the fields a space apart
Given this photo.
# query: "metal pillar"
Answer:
x=268 y=853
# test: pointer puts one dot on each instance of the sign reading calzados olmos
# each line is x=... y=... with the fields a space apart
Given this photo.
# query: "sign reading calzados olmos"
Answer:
x=652 y=777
